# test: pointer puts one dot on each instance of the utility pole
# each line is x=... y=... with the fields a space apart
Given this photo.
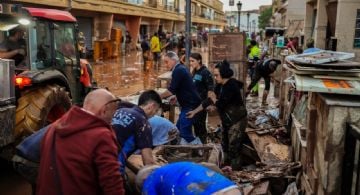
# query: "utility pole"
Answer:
x=188 y=32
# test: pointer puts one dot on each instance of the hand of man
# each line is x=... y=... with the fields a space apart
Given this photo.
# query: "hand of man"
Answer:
x=173 y=134
x=212 y=96
x=21 y=51
x=172 y=100
x=190 y=114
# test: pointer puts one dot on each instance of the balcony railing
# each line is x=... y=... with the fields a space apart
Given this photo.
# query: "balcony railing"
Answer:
x=158 y=5
x=216 y=4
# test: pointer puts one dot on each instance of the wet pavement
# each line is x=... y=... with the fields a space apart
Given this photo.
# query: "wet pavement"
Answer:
x=124 y=76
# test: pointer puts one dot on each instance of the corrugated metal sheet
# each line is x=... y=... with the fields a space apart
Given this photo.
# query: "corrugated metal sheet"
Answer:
x=306 y=83
x=320 y=57
x=341 y=100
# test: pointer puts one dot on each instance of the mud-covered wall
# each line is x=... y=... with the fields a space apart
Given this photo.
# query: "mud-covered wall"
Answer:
x=329 y=143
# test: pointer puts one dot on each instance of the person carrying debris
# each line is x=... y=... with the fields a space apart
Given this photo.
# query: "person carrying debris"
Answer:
x=133 y=130
x=79 y=151
x=263 y=70
x=184 y=178
x=184 y=89
x=228 y=101
x=164 y=132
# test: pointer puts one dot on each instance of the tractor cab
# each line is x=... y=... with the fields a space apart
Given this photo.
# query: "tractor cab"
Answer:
x=48 y=46
x=49 y=74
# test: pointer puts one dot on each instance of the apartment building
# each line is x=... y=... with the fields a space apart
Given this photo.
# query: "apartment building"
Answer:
x=97 y=17
x=334 y=24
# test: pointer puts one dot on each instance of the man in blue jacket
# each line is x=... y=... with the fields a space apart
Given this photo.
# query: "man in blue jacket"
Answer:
x=184 y=89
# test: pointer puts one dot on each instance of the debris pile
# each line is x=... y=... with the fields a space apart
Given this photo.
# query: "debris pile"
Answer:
x=324 y=71
x=260 y=172
x=273 y=168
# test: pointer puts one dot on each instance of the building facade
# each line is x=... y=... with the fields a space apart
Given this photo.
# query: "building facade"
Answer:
x=295 y=16
x=249 y=20
x=334 y=25
x=96 y=18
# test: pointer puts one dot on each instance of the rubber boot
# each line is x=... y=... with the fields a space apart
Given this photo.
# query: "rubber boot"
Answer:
x=264 y=97
x=255 y=91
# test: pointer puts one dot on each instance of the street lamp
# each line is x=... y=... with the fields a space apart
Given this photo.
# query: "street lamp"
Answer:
x=248 y=17
x=239 y=4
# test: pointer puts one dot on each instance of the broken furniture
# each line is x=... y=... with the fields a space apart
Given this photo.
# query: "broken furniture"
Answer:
x=324 y=105
x=173 y=153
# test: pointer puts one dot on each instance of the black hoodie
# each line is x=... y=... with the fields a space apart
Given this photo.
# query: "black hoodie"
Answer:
x=229 y=102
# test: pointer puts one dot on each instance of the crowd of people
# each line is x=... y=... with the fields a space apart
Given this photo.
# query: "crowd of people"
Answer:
x=152 y=46
x=86 y=150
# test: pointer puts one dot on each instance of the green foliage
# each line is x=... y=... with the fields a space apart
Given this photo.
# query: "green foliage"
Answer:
x=264 y=18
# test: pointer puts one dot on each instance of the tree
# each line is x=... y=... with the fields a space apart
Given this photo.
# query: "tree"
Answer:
x=264 y=18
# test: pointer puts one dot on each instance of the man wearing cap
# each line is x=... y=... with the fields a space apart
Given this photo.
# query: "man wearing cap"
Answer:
x=14 y=46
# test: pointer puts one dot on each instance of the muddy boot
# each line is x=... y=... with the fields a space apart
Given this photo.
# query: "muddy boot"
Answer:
x=264 y=97
x=254 y=94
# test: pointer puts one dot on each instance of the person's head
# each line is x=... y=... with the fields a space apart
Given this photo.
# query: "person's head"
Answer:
x=171 y=59
x=143 y=174
x=150 y=102
x=155 y=34
x=253 y=43
x=310 y=43
x=195 y=60
x=222 y=72
x=273 y=64
x=101 y=103
x=17 y=33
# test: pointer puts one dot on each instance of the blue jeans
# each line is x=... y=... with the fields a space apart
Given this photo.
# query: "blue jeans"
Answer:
x=185 y=125
x=127 y=149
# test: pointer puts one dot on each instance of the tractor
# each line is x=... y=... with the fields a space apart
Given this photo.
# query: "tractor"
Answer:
x=50 y=77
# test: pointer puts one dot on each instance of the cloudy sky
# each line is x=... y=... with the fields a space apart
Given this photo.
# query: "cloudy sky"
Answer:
x=246 y=4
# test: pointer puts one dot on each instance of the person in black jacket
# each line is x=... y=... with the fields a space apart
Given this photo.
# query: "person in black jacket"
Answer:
x=263 y=70
x=204 y=83
x=229 y=103
x=145 y=47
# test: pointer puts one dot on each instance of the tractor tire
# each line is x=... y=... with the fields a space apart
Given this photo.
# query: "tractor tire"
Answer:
x=39 y=107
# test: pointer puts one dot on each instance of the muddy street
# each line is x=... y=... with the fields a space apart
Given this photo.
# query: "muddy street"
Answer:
x=124 y=76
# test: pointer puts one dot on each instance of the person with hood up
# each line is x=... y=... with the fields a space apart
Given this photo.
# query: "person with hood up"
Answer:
x=79 y=151
x=229 y=103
